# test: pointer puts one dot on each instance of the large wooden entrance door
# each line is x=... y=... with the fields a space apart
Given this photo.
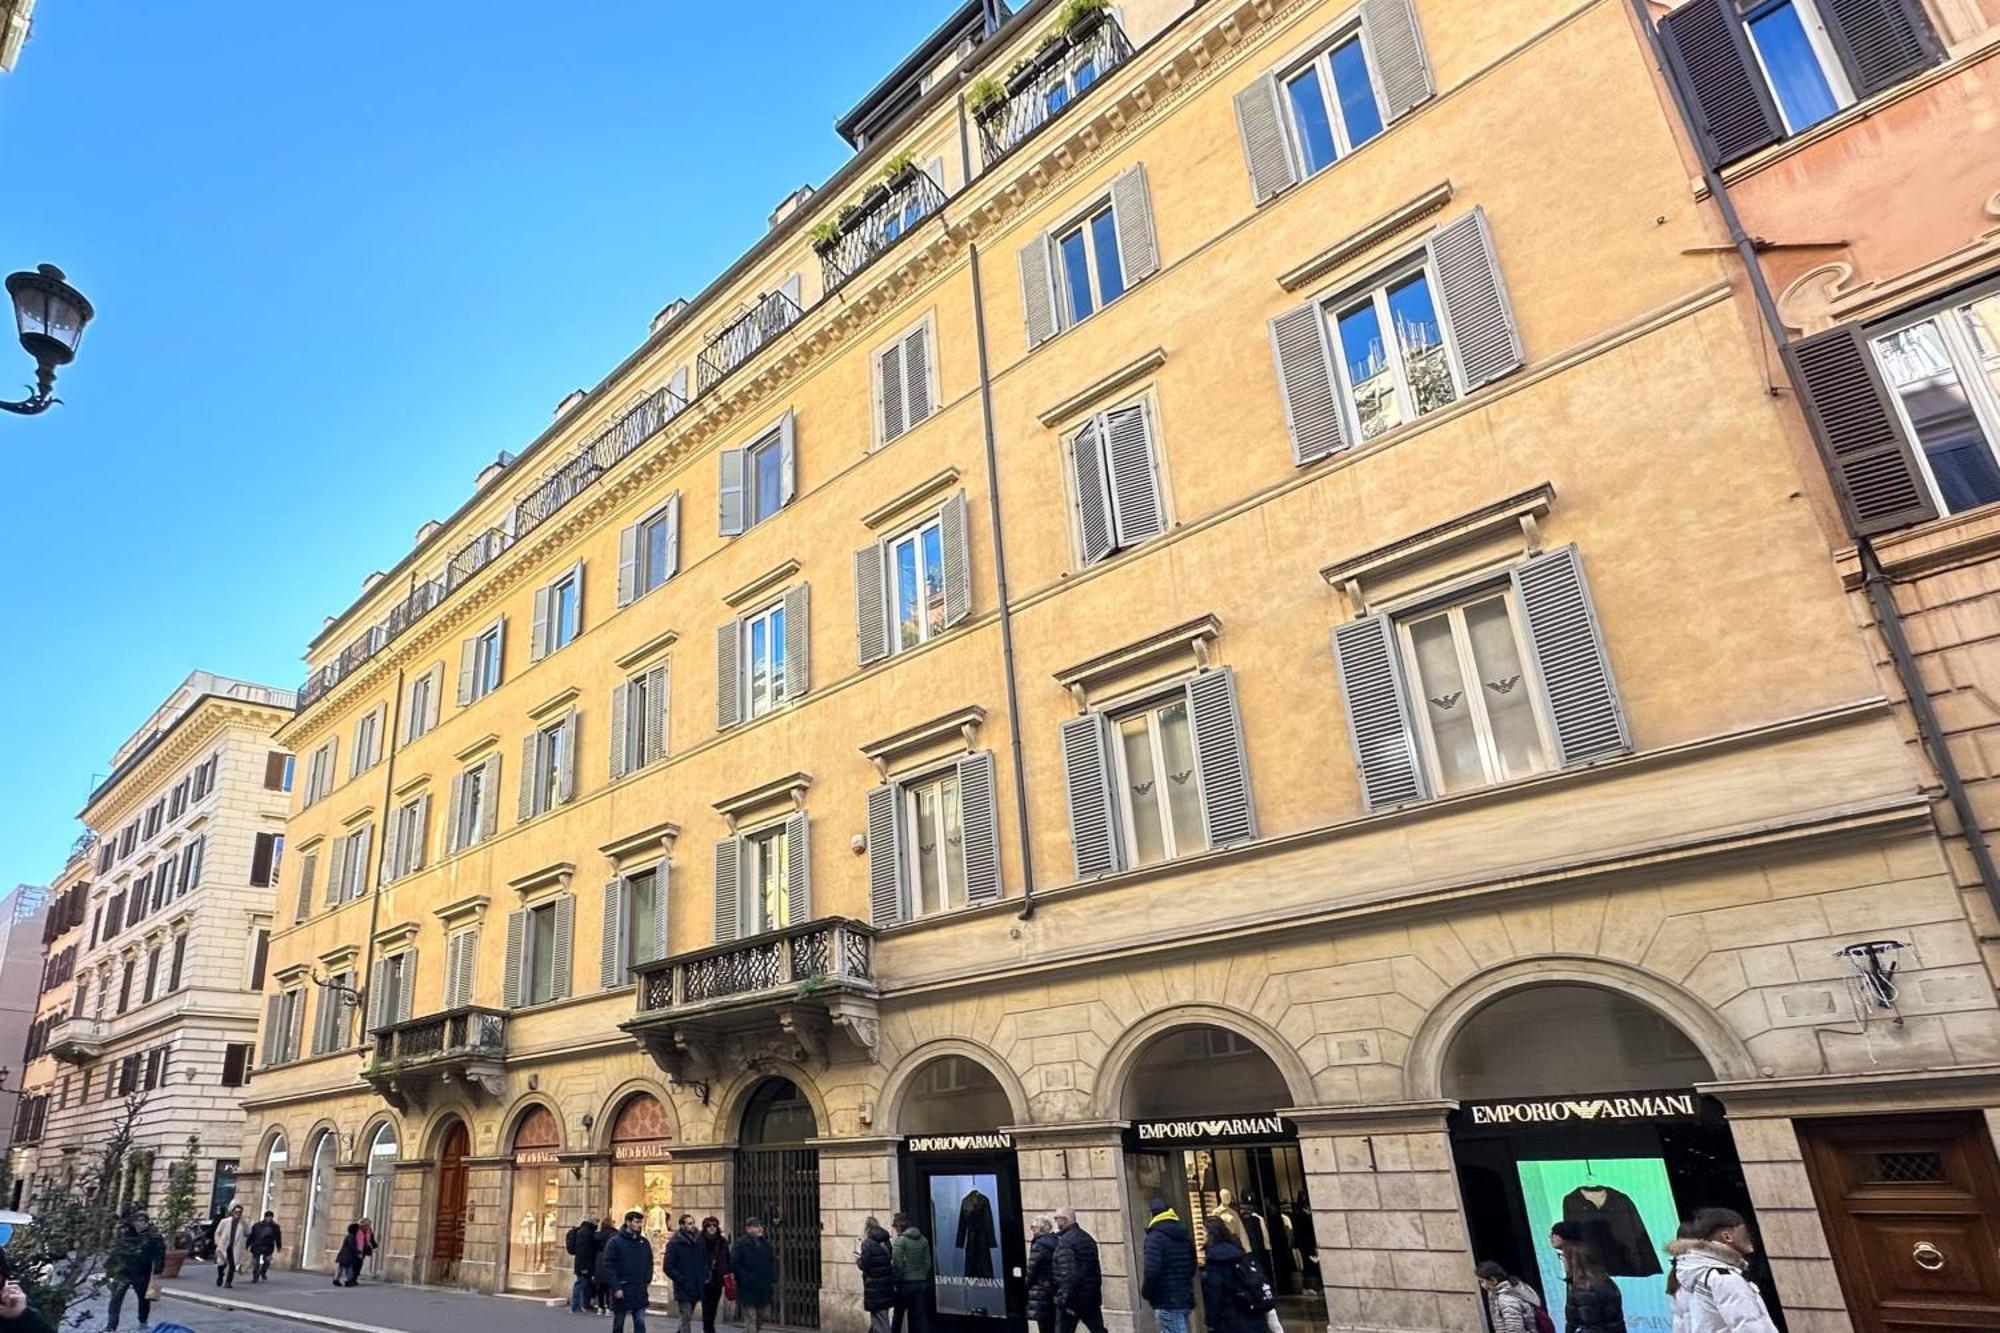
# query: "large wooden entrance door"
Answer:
x=1912 y=1207
x=448 y=1234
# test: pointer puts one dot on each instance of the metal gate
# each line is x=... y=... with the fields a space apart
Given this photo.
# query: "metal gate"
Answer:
x=781 y=1186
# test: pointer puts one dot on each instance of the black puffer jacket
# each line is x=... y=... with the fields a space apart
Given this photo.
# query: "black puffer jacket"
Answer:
x=1169 y=1280
x=135 y=1255
x=878 y=1271
x=1594 y=1307
x=1079 y=1280
x=685 y=1265
x=1042 y=1278
x=626 y=1263
x=1218 y=1291
x=584 y=1242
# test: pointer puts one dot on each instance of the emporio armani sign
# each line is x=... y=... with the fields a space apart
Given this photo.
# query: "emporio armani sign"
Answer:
x=1605 y=1109
x=959 y=1142
x=1260 y=1127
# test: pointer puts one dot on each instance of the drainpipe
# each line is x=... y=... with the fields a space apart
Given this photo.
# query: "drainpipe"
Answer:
x=380 y=845
x=1880 y=595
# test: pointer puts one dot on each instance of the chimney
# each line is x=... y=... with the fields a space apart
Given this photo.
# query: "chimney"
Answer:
x=368 y=584
x=667 y=312
x=425 y=533
x=492 y=470
x=791 y=204
x=570 y=399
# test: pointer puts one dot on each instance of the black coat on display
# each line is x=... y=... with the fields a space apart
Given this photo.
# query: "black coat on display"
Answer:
x=756 y=1270
x=1042 y=1278
x=878 y=1271
x=685 y=1265
x=626 y=1263
x=1169 y=1273
x=1614 y=1229
x=1225 y=1313
x=584 y=1242
x=975 y=1235
x=1079 y=1280
x=1594 y=1307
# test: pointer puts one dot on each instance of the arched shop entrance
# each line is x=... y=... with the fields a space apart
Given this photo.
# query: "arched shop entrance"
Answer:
x=378 y=1190
x=319 y=1203
x=275 y=1158
x=533 y=1235
x=1206 y=1136
x=961 y=1185
x=777 y=1181
x=1577 y=1103
x=642 y=1170
x=448 y=1228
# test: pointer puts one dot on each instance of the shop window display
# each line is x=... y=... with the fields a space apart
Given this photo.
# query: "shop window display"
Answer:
x=534 y=1235
x=642 y=1172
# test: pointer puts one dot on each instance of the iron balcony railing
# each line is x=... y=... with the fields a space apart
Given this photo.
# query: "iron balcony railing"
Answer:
x=1050 y=81
x=595 y=458
x=452 y=1034
x=819 y=952
x=884 y=216
x=743 y=337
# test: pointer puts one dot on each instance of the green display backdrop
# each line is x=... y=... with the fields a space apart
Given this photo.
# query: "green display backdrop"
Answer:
x=1626 y=1205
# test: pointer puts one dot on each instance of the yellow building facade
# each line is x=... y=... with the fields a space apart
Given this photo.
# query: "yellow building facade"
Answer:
x=1224 y=615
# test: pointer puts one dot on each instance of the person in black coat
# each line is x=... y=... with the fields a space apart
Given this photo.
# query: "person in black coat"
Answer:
x=1079 y=1279
x=137 y=1252
x=1168 y=1284
x=265 y=1238
x=1595 y=1304
x=756 y=1270
x=686 y=1268
x=583 y=1243
x=715 y=1250
x=1042 y=1275
x=1227 y=1274
x=625 y=1265
x=878 y=1275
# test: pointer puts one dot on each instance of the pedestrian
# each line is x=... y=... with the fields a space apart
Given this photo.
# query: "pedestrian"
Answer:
x=626 y=1267
x=714 y=1249
x=878 y=1275
x=1168 y=1283
x=265 y=1240
x=1512 y=1302
x=910 y=1254
x=686 y=1268
x=353 y=1250
x=1079 y=1280
x=1234 y=1295
x=17 y=1316
x=232 y=1240
x=606 y=1229
x=366 y=1237
x=1710 y=1290
x=1594 y=1304
x=1042 y=1273
x=137 y=1253
x=755 y=1269
x=581 y=1243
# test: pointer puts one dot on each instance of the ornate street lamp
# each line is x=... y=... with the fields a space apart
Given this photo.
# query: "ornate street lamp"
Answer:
x=50 y=314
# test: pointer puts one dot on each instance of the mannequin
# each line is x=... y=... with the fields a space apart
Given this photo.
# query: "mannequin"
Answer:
x=1226 y=1210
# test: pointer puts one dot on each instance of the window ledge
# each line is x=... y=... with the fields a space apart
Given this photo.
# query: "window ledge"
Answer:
x=927 y=489
x=478 y=747
x=465 y=909
x=554 y=877
x=763 y=583
x=344 y=953
x=792 y=786
x=394 y=936
x=1092 y=394
x=291 y=972
x=1515 y=512
x=1364 y=239
x=1942 y=543
x=660 y=837
x=964 y=723
x=1191 y=637
x=411 y=787
x=648 y=650
x=550 y=707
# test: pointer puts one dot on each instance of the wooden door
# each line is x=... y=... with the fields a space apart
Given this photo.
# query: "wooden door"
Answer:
x=1912 y=1208
x=448 y=1235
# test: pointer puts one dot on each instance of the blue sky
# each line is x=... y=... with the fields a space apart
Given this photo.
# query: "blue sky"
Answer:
x=338 y=266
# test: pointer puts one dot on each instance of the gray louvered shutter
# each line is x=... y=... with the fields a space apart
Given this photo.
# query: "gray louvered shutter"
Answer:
x=728 y=675
x=467 y=652
x=1132 y=215
x=1709 y=54
x=517 y=943
x=1396 y=49
x=539 y=636
x=271 y=1017
x=1038 y=296
x=1475 y=300
x=1228 y=814
x=1882 y=42
x=628 y=564
x=798 y=640
x=454 y=955
x=1093 y=498
x=611 y=953
x=1260 y=120
x=364 y=842
x=1135 y=481
x=489 y=805
x=572 y=745
x=732 y=494
x=437 y=697
x=1378 y=713
x=1093 y=823
x=531 y=760
x=308 y=868
x=454 y=811
x=661 y=885
x=673 y=537
x=406 y=1002
x=871 y=606
x=889 y=366
x=378 y=992
x=979 y=826
x=1571 y=666
x=917 y=376
x=1305 y=382
x=788 y=457
x=1853 y=415
x=620 y=738
x=954 y=541
x=467 y=974
x=728 y=885
x=342 y=846
x=392 y=843
x=798 y=868
x=885 y=854
x=655 y=721
x=415 y=856
x=295 y=1026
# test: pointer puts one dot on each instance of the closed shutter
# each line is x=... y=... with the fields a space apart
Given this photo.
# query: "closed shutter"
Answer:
x=406 y=1000
x=885 y=854
x=661 y=884
x=798 y=868
x=392 y=845
x=620 y=739
x=1093 y=826
x=308 y=868
x=611 y=950
x=363 y=841
x=260 y=862
x=436 y=701
x=532 y=757
x=1132 y=210
x=517 y=943
x=1475 y=300
x=1378 y=713
x=342 y=848
x=979 y=826
x=540 y=636
x=454 y=951
x=954 y=542
x=798 y=641
x=628 y=564
x=1135 y=481
x=295 y=1024
x=728 y=676
x=572 y=743
x=1038 y=297
x=1305 y=382
x=1854 y=417
x=656 y=715
x=576 y=606
x=1093 y=497
x=272 y=1018
x=728 y=869
x=788 y=457
x=1882 y=42
x=1396 y=50
x=1570 y=662
x=467 y=654
x=465 y=972
x=1709 y=54
x=889 y=372
x=489 y=803
x=871 y=605
x=1228 y=815
x=917 y=375
x=1260 y=120
x=454 y=815
x=417 y=852
x=732 y=493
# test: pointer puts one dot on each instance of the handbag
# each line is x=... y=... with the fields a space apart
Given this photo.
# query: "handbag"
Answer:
x=729 y=1287
x=153 y=1288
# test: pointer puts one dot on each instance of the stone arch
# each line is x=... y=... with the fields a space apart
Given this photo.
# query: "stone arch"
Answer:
x=896 y=1088
x=735 y=1099
x=273 y=1136
x=1423 y=1066
x=310 y=1141
x=607 y=1113
x=366 y=1138
x=1116 y=1070
x=440 y=1125
x=510 y=1123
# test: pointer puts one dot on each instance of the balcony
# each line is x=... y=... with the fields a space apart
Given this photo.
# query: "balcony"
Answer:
x=416 y=1060
x=787 y=994
x=78 y=1041
x=884 y=216
x=1044 y=85
x=743 y=337
x=598 y=456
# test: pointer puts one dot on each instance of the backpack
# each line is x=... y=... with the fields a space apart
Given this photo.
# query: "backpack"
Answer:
x=1251 y=1292
x=1543 y=1324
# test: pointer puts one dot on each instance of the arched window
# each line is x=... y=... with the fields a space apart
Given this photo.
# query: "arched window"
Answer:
x=778 y=1113
x=319 y=1198
x=378 y=1194
x=953 y=1095
x=1546 y=1041
x=275 y=1158
x=1203 y=1070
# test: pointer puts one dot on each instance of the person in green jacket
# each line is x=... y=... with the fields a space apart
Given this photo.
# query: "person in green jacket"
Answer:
x=910 y=1256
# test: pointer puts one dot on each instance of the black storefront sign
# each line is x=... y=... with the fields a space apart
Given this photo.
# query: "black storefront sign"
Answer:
x=1215 y=1131
x=964 y=1192
x=927 y=1144
x=1672 y=1106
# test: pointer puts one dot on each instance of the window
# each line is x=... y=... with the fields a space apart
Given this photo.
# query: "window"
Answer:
x=308 y=874
x=916 y=585
x=1943 y=372
x=393 y=992
x=284 y=1025
x=156 y=1067
x=191 y=863
x=409 y=834
x=638 y=721
x=128 y=837
x=177 y=801
x=264 y=858
x=1115 y=482
x=260 y=953
x=1798 y=61
x=136 y=904
x=330 y=1025
x=649 y=551
x=764 y=660
x=1393 y=361
x=541 y=971
x=461 y=957
x=766 y=901
x=125 y=977
x=319 y=770
x=645 y=923
x=548 y=766
x=1330 y=105
x=107 y=850
x=479 y=662
x=155 y=814
x=152 y=991
x=538 y=952
x=904 y=393
x=204 y=776
x=350 y=866
x=367 y=740
x=1479 y=720
x=423 y=702
x=1158 y=792
x=114 y=914
x=1090 y=271
x=558 y=613
x=761 y=659
x=166 y=881
x=935 y=876
x=277 y=771
x=475 y=805
x=235 y=1064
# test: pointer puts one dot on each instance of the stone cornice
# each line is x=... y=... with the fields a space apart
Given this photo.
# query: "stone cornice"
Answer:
x=195 y=732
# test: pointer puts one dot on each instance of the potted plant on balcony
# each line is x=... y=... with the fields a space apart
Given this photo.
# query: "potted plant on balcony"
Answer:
x=985 y=95
x=177 y=1206
x=1079 y=18
x=898 y=170
x=824 y=234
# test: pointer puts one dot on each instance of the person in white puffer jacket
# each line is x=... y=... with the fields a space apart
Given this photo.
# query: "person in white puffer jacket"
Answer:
x=1710 y=1291
x=1511 y=1302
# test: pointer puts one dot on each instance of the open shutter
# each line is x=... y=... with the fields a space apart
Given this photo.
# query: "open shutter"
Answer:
x=798 y=868
x=414 y=856
x=1305 y=382
x=465 y=976
x=272 y=1018
x=656 y=714
x=363 y=842
x=673 y=543
x=732 y=496
x=1038 y=295
x=871 y=606
x=1475 y=300
x=378 y=991
x=728 y=862
x=1132 y=214
x=917 y=375
x=885 y=855
x=467 y=655
x=1570 y=662
x=728 y=676
x=1854 y=417
x=1882 y=42
x=517 y=943
x=489 y=805
x=538 y=639
x=1093 y=498
x=295 y=1024
x=953 y=540
x=1093 y=827
x=1228 y=815
x=628 y=564
x=531 y=757
x=454 y=812
x=454 y=952
x=1709 y=54
x=889 y=371
x=979 y=826
x=1266 y=147
x=436 y=700
x=342 y=848
x=392 y=844
x=620 y=740
x=572 y=742
x=788 y=457
x=406 y=1001
x=1396 y=50
x=661 y=878
x=308 y=868
x=1135 y=482
x=1378 y=713
x=798 y=641
x=611 y=952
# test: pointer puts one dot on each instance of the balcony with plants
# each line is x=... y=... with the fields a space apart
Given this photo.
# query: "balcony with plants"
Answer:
x=419 y=1059
x=1085 y=44
x=861 y=232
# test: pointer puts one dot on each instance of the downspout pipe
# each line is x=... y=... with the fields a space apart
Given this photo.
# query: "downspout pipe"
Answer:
x=1881 y=595
x=379 y=846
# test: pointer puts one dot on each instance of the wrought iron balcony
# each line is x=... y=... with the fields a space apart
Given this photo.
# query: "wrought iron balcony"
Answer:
x=419 y=1056
x=78 y=1041
x=1050 y=81
x=743 y=337
x=597 y=456
x=884 y=216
